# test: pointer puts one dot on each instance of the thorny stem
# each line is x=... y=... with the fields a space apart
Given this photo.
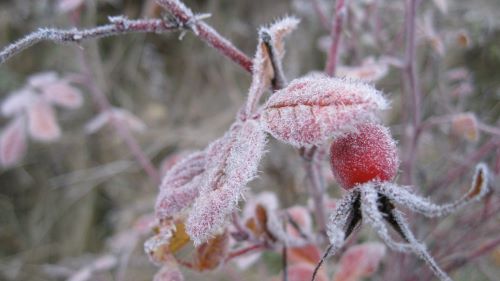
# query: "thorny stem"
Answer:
x=206 y=33
x=335 y=34
x=121 y=25
x=411 y=81
x=122 y=131
x=118 y=26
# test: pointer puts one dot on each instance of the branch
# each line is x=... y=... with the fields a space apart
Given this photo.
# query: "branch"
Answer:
x=336 y=32
x=186 y=18
x=119 y=25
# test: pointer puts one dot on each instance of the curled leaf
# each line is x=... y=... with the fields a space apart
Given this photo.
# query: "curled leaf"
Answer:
x=42 y=123
x=360 y=261
x=231 y=168
x=13 y=142
x=212 y=253
x=180 y=186
x=315 y=108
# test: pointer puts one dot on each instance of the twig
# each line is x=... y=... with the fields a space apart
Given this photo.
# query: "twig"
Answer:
x=284 y=259
x=411 y=82
x=122 y=131
x=186 y=18
x=321 y=15
x=244 y=251
x=482 y=250
x=119 y=25
x=336 y=32
x=316 y=187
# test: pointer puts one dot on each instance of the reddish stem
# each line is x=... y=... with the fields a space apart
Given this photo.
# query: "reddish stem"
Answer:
x=336 y=32
x=244 y=251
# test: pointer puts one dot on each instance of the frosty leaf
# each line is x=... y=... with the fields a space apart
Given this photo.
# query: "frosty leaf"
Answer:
x=180 y=186
x=226 y=177
x=360 y=261
x=42 y=123
x=369 y=71
x=179 y=238
x=301 y=217
x=63 y=94
x=169 y=239
x=304 y=271
x=168 y=162
x=212 y=253
x=169 y=272
x=13 y=142
x=309 y=254
x=465 y=125
x=267 y=61
x=42 y=79
x=17 y=102
x=120 y=115
x=315 y=108
x=65 y=6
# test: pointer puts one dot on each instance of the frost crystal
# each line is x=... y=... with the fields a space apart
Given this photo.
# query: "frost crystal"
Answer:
x=228 y=172
x=180 y=186
x=315 y=108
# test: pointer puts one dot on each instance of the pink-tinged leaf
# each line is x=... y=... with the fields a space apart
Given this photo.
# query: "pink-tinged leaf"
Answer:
x=120 y=115
x=301 y=218
x=17 y=102
x=63 y=94
x=360 y=261
x=465 y=125
x=169 y=272
x=13 y=142
x=42 y=79
x=308 y=254
x=266 y=199
x=304 y=271
x=42 y=123
x=65 y=6
x=369 y=71
x=313 y=109
x=180 y=186
x=226 y=177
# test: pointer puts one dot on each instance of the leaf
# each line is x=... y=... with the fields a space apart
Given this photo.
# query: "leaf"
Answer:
x=465 y=125
x=63 y=94
x=169 y=272
x=360 y=261
x=120 y=115
x=13 y=142
x=315 y=108
x=170 y=237
x=304 y=271
x=212 y=253
x=42 y=79
x=180 y=186
x=229 y=169
x=179 y=238
x=308 y=254
x=369 y=71
x=17 y=102
x=42 y=123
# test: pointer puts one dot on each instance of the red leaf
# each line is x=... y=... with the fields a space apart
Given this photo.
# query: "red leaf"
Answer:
x=13 y=142
x=315 y=108
x=360 y=261
x=180 y=186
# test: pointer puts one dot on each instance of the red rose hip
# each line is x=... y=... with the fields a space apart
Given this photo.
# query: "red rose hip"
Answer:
x=367 y=154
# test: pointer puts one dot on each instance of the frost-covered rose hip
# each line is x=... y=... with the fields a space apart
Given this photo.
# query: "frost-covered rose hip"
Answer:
x=367 y=154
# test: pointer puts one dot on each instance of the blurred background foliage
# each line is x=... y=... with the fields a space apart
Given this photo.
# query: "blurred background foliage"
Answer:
x=67 y=199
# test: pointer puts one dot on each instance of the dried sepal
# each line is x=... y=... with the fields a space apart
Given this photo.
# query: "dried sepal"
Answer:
x=180 y=185
x=42 y=123
x=226 y=177
x=360 y=261
x=212 y=253
x=13 y=142
x=479 y=188
x=315 y=108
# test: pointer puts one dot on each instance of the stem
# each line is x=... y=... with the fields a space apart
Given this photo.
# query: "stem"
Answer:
x=411 y=81
x=316 y=188
x=335 y=34
x=119 y=25
x=244 y=251
x=186 y=18
x=122 y=131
